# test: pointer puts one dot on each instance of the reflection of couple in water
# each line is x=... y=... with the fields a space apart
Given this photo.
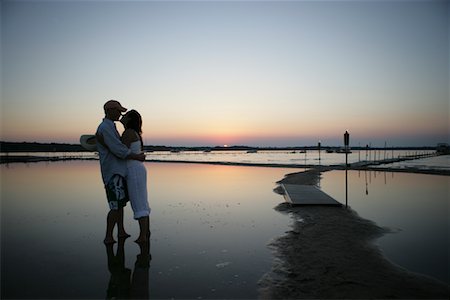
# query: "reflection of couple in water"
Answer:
x=123 y=284
x=123 y=171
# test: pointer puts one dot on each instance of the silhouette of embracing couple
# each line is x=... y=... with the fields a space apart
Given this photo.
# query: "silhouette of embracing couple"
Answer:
x=123 y=171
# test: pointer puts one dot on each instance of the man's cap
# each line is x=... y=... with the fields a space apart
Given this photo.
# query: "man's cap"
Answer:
x=114 y=104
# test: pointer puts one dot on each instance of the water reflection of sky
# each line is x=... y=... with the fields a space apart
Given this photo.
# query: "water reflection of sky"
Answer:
x=309 y=157
x=415 y=206
x=210 y=229
x=441 y=162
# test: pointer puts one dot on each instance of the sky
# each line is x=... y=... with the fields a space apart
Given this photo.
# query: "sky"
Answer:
x=206 y=73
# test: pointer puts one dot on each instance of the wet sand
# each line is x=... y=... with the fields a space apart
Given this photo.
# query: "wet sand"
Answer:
x=330 y=253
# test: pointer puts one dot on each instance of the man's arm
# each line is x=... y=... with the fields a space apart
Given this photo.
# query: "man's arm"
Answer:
x=112 y=142
x=140 y=156
x=120 y=146
x=115 y=145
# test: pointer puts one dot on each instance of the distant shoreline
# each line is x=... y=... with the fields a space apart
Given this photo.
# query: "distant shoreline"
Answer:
x=7 y=159
x=6 y=147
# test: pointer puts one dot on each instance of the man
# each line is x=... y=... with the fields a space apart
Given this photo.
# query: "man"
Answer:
x=113 y=155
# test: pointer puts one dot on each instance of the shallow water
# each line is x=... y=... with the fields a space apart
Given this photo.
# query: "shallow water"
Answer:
x=210 y=229
x=310 y=157
x=414 y=206
x=441 y=162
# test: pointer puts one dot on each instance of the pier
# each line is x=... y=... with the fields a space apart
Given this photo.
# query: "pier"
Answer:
x=299 y=194
x=307 y=193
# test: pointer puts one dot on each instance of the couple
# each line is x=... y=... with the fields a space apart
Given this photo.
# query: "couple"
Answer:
x=123 y=171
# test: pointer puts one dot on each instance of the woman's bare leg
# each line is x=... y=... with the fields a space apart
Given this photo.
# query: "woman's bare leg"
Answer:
x=144 y=226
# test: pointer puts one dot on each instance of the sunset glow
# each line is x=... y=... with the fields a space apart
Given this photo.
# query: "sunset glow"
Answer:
x=258 y=73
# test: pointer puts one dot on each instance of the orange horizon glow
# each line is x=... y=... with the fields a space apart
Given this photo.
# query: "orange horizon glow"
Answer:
x=379 y=70
x=271 y=133
x=331 y=137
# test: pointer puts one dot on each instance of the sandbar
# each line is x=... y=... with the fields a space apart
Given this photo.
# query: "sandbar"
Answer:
x=330 y=253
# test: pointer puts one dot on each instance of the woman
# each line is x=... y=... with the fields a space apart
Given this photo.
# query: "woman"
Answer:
x=137 y=174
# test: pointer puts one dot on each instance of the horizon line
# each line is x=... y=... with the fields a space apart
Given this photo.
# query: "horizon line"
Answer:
x=236 y=146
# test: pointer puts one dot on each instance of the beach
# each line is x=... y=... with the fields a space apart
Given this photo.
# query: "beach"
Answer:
x=330 y=253
x=347 y=101
x=225 y=223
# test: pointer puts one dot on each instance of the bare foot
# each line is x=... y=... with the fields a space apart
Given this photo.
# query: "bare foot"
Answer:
x=123 y=235
x=142 y=240
x=109 y=240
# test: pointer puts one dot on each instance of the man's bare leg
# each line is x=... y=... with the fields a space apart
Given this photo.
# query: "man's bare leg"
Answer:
x=111 y=221
x=121 y=229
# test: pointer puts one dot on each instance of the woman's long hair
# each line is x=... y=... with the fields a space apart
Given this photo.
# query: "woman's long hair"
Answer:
x=135 y=123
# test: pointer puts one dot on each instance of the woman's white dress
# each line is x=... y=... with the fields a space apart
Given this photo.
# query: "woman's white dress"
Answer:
x=137 y=184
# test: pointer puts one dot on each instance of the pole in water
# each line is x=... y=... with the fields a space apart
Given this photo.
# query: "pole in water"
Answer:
x=367 y=152
x=346 y=188
x=346 y=143
x=318 y=146
x=359 y=153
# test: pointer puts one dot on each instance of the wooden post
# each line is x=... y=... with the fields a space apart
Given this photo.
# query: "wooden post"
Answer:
x=359 y=153
x=346 y=143
x=319 y=151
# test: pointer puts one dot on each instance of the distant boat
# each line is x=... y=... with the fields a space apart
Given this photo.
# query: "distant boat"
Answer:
x=252 y=151
x=302 y=151
x=330 y=151
x=207 y=150
x=175 y=151
x=343 y=150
